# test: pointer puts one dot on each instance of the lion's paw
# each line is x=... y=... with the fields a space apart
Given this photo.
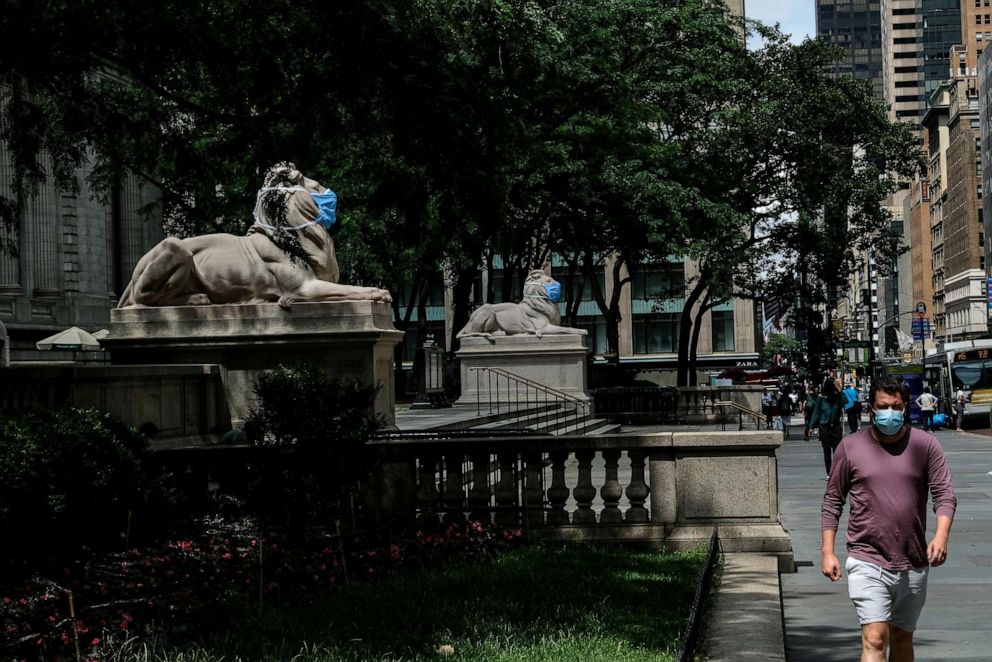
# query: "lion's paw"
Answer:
x=198 y=300
x=286 y=301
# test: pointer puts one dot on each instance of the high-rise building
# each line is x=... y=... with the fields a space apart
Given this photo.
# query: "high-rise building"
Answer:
x=941 y=31
x=962 y=248
x=976 y=35
x=985 y=123
x=736 y=6
x=855 y=26
x=903 y=60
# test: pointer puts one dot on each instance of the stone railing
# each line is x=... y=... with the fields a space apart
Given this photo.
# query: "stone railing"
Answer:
x=184 y=404
x=664 y=489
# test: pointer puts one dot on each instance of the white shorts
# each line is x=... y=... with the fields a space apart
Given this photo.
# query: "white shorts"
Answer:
x=880 y=595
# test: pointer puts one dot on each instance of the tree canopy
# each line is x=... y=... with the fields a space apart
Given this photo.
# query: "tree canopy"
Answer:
x=454 y=130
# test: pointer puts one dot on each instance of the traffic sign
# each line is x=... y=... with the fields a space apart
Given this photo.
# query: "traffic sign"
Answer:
x=921 y=308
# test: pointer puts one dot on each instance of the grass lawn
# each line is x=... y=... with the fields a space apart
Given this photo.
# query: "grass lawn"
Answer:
x=532 y=605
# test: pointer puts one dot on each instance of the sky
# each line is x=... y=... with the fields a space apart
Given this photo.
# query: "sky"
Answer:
x=796 y=17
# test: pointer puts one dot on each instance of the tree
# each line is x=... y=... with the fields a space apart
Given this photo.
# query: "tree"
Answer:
x=781 y=345
x=783 y=186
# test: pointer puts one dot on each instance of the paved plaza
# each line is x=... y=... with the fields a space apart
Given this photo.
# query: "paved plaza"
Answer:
x=820 y=622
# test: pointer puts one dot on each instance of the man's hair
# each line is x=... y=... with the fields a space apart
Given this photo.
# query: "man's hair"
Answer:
x=890 y=386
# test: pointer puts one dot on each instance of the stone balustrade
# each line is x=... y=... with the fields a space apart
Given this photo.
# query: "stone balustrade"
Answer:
x=664 y=489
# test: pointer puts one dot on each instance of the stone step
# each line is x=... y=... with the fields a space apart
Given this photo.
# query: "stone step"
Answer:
x=536 y=420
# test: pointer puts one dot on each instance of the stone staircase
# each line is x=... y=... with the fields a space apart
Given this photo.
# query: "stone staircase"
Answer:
x=463 y=420
x=554 y=419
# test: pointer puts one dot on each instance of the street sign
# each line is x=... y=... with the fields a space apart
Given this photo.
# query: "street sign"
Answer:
x=921 y=328
x=921 y=308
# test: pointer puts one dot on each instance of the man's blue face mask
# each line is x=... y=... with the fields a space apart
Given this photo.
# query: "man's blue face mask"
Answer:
x=554 y=291
x=888 y=421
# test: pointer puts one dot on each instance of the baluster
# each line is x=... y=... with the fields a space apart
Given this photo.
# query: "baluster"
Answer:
x=454 y=494
x=584 y=491
x=637 y=491
x=611 y=490
x=427 y=494
x=478 y=496
x=533 y=488
x=558 y=492
x=506 y=490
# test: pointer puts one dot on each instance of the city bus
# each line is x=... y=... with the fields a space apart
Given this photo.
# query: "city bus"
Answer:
x=964 y=366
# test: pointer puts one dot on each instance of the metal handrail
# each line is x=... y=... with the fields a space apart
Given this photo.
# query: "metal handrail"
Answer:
x=537 y=385
x=741 y=410
x=514 y=382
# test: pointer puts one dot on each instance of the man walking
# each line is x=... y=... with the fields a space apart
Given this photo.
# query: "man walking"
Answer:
x=928 y=405
x=852 y=407
x=887 y=469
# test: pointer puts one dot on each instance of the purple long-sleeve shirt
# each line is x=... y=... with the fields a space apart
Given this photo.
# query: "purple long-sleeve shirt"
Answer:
x=887 y=485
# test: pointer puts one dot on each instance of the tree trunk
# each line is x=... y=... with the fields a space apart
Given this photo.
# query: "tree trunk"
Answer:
x=685 y=327
x=461 y=301
x=611 y=309
x=694 y=347
x=402 y=323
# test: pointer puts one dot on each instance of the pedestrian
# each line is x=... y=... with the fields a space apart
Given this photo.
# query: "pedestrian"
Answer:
x=766 y=408
x=785 y=411
x=927 y=404
x=959 y=407
x=852 y=407
x=808 y=406
x=887 y=469
x=826 y=417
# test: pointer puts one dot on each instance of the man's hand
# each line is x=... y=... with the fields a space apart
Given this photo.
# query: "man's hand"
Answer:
x=830 y=566
x=937 y=550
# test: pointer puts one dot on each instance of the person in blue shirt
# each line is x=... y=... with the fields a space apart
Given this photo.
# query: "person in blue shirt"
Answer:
x=852 y=407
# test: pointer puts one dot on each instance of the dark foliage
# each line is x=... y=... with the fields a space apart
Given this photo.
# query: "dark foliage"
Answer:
x=321 y=424
x=70 y=477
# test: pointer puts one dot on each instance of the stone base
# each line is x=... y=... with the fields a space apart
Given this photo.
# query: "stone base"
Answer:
x=765 y=538
x=347 y=339
x=555 y=361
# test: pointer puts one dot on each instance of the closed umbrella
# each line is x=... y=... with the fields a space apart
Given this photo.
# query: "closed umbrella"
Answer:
x=73 y=338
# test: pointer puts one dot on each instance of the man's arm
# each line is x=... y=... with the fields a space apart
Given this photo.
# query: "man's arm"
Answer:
x=830 y=512
x=829 y=565
x=937 y=549
x=944 y=502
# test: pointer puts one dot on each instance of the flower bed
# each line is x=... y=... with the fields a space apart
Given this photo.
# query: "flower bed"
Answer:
x=195 y=587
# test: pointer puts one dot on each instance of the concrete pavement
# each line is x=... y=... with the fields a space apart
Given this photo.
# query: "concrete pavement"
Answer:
x=820 y=623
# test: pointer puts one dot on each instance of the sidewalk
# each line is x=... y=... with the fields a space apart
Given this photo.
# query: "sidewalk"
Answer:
x=820 y=623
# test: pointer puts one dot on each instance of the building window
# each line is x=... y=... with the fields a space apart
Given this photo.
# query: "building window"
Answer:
x=661 y=280
x=595 y=325
x=656 y=333
x=723 y=331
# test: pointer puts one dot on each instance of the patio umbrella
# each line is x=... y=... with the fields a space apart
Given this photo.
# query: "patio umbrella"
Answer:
x=73 y=338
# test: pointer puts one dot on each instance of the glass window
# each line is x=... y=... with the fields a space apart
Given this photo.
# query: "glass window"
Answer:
x=656 y=333
x=661 y=280
x=596 y=326
x=723 y=331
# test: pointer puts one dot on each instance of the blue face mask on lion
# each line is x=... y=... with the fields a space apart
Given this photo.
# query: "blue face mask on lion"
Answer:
x=554 y=291
x=326 y=202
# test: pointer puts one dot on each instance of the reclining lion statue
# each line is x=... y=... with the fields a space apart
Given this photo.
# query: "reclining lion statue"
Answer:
x=286 y=256
x=537 y=314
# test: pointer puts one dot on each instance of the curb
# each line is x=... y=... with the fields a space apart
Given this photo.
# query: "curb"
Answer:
x=746 y=622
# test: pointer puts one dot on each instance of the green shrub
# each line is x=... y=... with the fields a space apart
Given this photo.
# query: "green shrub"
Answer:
x=321 y=425
x=69 y=478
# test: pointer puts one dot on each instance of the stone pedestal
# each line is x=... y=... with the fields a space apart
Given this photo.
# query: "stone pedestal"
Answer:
x=347 y=339
x=555 y=361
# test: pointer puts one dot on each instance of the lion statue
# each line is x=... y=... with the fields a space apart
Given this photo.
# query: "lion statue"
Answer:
x=286 y=256
x=536 y=314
